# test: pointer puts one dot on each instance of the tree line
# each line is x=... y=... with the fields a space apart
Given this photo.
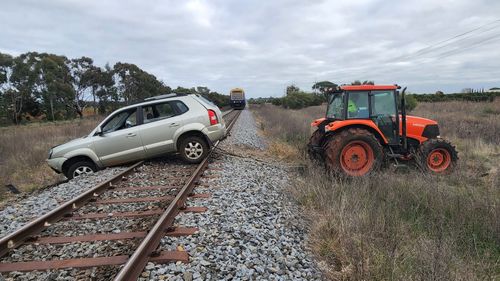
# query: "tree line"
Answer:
x=296 y=98
x=53 y=87
x=471 y=96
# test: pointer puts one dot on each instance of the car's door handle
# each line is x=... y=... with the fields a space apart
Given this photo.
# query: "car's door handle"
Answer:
x=174 y=124
x=131 y=135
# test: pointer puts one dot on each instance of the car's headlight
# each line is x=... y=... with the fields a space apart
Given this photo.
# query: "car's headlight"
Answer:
x=50 y=153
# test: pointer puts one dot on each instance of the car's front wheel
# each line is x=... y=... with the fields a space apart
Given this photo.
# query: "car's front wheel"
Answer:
x=193 y=149
x=80 y=168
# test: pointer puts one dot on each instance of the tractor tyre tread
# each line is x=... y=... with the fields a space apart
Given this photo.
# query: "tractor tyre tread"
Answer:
x=333 y=147
x=314 y=140
x=432 y=144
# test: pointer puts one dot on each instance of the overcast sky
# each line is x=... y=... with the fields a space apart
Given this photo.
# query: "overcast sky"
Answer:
x=262 y=46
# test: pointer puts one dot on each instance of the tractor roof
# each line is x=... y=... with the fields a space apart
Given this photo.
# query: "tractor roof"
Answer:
x=368 y=87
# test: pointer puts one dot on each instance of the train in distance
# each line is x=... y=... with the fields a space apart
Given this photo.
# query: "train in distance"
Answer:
x=237 y=98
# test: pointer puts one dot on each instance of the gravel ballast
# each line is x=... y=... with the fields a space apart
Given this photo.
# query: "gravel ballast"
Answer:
x=251 y=231
x=153 y=173
x=18 y=212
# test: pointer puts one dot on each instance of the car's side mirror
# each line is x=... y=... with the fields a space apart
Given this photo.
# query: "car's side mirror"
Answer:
x=99 y=132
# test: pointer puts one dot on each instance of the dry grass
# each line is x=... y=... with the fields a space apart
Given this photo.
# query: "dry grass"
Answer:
x=465 y=120
x=23 y=150
x=405 y=225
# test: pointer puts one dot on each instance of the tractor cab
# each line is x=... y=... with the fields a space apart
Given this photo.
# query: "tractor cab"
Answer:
x=375 y=104
x=365 y=124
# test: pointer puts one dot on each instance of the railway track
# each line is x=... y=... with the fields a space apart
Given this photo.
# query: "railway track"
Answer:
x=132 y=211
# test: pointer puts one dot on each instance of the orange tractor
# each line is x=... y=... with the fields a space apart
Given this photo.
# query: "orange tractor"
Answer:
x=367 y=124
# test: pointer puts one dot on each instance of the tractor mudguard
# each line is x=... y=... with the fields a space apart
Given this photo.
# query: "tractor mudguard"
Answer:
x=321 y=123
x=361 y=123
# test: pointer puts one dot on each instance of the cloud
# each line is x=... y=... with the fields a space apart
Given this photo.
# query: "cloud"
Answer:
x=201 y=11
x=264 y=45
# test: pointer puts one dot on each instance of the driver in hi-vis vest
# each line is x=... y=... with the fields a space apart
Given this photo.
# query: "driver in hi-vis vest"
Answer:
x=352 y=108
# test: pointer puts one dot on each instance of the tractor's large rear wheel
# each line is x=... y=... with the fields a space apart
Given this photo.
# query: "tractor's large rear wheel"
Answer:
x=438 y=156
x=353 y=152
x=314 y=142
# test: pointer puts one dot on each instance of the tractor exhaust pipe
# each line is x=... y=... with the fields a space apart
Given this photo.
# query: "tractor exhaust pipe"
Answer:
x=403 y=120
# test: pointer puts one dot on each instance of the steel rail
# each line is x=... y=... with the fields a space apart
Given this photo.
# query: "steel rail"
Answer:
x=39 y=224
x=136 y=263
x=36 y=226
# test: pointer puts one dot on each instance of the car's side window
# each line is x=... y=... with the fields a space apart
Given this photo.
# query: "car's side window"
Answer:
x=121 y=120
x=157 y=111
x=181 y=107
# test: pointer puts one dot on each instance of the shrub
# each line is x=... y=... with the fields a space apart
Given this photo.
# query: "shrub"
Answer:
x=410 y=102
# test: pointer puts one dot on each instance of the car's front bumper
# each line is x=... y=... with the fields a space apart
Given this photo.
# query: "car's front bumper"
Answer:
x=56 y=163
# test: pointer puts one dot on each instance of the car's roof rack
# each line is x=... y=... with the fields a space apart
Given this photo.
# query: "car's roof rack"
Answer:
x=171 y=95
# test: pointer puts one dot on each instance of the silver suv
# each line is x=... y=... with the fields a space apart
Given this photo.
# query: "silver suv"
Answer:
x=187 y=124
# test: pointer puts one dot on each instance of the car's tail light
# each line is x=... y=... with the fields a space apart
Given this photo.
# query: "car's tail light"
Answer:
x=213 y=117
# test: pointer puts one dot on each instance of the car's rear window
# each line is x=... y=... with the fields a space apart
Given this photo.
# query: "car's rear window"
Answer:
x=158 y=111
x=180 y=106
x=206 y=100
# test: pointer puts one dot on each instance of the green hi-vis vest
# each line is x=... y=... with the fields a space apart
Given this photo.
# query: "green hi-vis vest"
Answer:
x=351 y=107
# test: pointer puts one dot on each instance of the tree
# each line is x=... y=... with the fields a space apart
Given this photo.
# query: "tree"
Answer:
x=366 y=82
x=324 y=86
x=6 y=64
x=202 y=90
x=23 y=85
x=134 y=84
x=54 y=85
x=41 y=84
x=81 y=80
x=292 y=89
x=410 y=102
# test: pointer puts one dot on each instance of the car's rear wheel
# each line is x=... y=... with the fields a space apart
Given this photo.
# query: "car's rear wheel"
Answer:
x=193 y=149
x=80 y=168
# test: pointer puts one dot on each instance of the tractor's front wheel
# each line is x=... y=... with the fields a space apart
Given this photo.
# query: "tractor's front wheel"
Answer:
x=438 y=156
x=353 y=152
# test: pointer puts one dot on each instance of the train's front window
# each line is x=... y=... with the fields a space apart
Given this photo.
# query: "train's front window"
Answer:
x=335 y=106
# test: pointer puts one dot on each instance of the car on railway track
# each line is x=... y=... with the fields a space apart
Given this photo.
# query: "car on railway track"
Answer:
x=186 y=124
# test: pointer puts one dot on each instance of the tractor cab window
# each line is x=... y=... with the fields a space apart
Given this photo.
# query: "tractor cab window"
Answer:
x=335 y=106
x=358 y=105
x=383 y=103
x=383 y=113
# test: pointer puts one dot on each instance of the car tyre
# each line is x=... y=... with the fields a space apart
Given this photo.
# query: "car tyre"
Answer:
x=193 y=149
x=80 y=168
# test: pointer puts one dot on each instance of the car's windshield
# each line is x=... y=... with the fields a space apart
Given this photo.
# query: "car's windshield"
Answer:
x=335 y=106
